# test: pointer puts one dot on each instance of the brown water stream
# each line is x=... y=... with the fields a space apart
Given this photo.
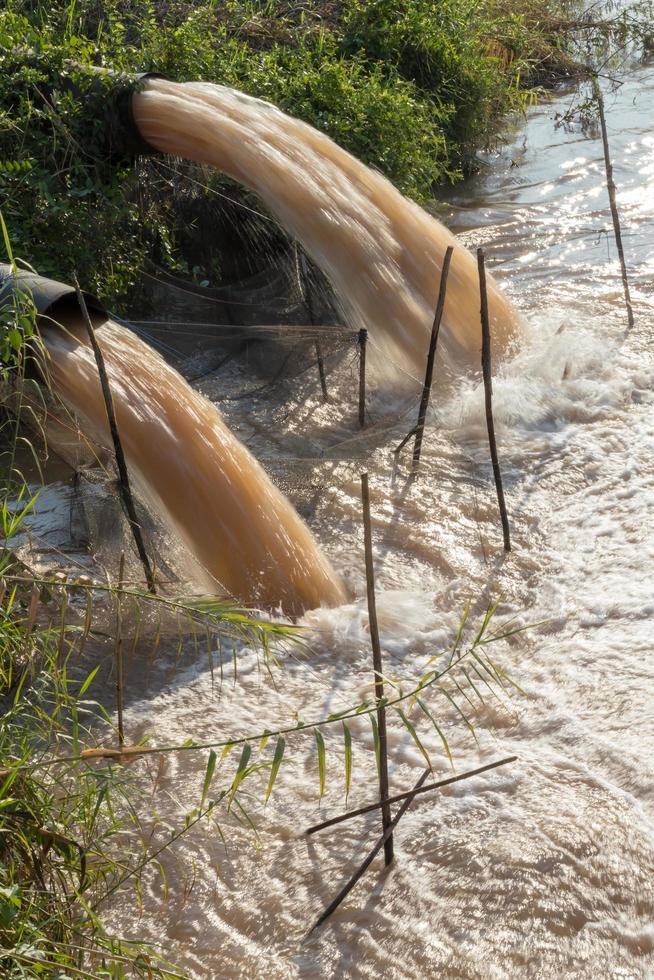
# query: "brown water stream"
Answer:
x=381 y=252
x=246 y=538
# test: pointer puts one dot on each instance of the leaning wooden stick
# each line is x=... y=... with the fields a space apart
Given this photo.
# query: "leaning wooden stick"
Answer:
x=488 y=393
x=615 y=214
x=363 y=867
x=123 y=476
x=306 y=289
x=398 y=449
x=363 y=341
x=119 y=652
x=377 y=666
x=429 y=372
x=410 y=794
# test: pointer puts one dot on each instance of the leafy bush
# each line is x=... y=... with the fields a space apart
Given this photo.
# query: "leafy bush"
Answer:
x=443 y=49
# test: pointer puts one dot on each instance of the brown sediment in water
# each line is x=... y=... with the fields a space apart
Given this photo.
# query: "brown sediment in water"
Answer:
x=381 y=252
x=199 y=477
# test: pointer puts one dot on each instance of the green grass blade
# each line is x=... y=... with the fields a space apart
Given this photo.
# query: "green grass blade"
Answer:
x=347 y=740
x=276 y=763
x=322 y=760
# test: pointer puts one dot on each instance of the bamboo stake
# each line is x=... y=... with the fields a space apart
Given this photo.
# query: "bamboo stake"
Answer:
x=488 y=393
x=321 y=370
x=118 y=653
x=377 y=665
x=306 y=289
x=409 y=794
x=363 y=867
x=610 y=184
x=363 y=341
x=429 y=372
x=123 y=476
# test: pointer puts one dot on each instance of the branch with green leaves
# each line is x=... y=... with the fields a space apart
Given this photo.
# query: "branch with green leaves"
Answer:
x=463 y=678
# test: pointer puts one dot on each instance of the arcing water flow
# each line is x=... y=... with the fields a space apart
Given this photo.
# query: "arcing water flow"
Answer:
x=381 y=252
x=546 y=868
x=241 y=530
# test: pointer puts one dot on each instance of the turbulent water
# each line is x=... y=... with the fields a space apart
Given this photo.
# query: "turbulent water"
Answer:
x=246 y=539
x=382 y=253
x=542 y=869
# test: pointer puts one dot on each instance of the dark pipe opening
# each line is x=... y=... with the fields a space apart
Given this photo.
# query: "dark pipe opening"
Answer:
x=53 y=301
x=46 y=294
x=123 y=136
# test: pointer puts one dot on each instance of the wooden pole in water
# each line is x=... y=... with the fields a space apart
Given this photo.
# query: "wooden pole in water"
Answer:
x=429 y=372
x=363 y=341
x=383 y=840
x=377 y=666
x=123 y=476
x=488 y=393
x=321 y=370
x=306 y=289
x=118 y=652
x=409 y=794
x=615 y=214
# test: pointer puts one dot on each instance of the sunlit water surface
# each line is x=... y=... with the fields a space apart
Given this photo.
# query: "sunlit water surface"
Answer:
x=541 y=869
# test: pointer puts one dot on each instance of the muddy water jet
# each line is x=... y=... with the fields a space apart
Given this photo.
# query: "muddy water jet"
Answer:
x=246 y=537
x=241 y=529
x=382 y=253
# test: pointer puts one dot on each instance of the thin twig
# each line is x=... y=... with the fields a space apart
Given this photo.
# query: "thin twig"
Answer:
x=409 y=794
x=488 y=394
x=615 y=214
x=429 y=372
x=118 y=651
x=363 y=867
x=377 y=666
x=123 y=476
x=398 y=449
x=308 y=300
x=321 y=370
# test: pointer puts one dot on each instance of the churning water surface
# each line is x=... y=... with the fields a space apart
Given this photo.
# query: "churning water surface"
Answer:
x=541 y=869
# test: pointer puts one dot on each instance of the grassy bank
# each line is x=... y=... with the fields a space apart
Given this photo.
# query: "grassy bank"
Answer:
x=412 y=88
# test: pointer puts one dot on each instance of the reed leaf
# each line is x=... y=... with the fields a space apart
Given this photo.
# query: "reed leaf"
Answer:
x=322 y=761
x=347 y=741
x=208 y=776
x=414 y=735
x=441 y=735
x=280 y=748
